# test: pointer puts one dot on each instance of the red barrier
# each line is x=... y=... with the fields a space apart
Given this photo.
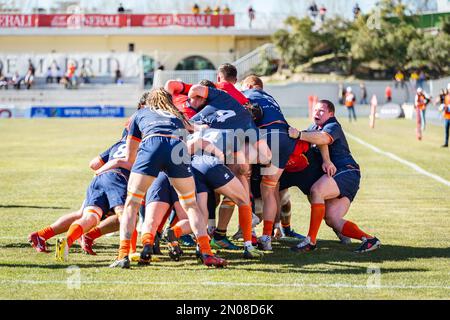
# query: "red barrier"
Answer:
x=114 y=20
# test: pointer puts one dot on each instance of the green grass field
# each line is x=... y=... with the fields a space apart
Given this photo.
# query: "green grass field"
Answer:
x=44 y=174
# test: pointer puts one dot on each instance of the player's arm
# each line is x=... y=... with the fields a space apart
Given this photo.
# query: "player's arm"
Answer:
x=327 y=166
x=198 y=143
x=198 y=90
x=177 y=87
x=313 y=137
x=96 y=163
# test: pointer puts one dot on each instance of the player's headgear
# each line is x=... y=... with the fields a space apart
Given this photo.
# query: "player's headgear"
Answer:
x=349 y=89
x=419 y=90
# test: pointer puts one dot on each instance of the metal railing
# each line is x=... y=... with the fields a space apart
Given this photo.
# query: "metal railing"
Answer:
x=187 y=76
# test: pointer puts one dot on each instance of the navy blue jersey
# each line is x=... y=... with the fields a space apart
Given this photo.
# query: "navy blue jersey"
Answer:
x=116 y=151
x=223 y=112
x=147 y=121
x=339 y=150
x=272 y=118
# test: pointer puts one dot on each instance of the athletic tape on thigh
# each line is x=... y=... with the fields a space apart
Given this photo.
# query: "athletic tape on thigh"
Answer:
x=96 y=211
x=227 y=204
x=187 y=198
x=266 y=181
x=136 y=195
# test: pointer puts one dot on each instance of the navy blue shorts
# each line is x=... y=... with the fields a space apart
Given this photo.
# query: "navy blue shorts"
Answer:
x=280 y=144
x=161 y=191
x=347 y=178
x=163 y=154
x=304 y=179
x=209 y=173
x=106 y=191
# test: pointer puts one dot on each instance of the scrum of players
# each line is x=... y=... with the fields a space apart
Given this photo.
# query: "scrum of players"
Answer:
x=191 y=150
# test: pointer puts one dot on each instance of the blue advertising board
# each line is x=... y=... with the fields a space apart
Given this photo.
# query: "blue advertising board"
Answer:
x=77 y=112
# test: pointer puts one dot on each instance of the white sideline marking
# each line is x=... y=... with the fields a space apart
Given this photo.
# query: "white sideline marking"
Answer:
x=403 y=161
x=227 y=284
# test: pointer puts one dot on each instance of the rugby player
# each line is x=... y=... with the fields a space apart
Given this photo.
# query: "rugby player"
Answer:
x=336 y=192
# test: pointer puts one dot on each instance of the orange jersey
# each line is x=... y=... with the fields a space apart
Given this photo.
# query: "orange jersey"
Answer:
x=349 y=100
x=421 y=102
x=447 y=107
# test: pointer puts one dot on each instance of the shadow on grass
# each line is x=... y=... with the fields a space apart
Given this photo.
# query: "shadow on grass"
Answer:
x=16 y=206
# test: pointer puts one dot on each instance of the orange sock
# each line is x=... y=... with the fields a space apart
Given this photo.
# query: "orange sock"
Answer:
x=268 y=228
x=124 y=248
x=133 y=241
x=245 y=221
x=46 y=233
x=148 y=238
x=351 y=230
x=94 y=233
x=74 y=233
x=177 y=231
x=203 y=242
x=317 y=215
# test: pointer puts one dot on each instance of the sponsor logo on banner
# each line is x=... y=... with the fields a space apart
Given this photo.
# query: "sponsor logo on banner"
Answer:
x=77 y=112
x=6 y=111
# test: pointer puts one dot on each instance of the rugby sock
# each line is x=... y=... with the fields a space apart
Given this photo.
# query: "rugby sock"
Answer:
x=74 y=233
x=94 y=233
x=317 y=215
x=148 y=238
x=268 y=228
x=203 y=242
x=46 y=233
x=351 y=230
x=245 y=221
x=133 y=243
x=286 y=227
x=124 y=249
x=177 y=231
x=220 y=234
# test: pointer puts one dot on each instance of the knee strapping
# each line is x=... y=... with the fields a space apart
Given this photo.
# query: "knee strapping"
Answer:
x=93 y=211
x=285 y=197
x=258 y=206
x=187 y=198
x=267 y=182
x=136 y=195
x=227 y=204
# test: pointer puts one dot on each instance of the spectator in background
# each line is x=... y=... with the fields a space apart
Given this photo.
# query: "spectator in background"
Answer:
x=421 y=101
x=3 y=81
x=363 y=89
x=322 y=12
x=207 y=10
x=195 y=9
x=226 y=10
x=84 y=74
x=216 y=10
x=120 y=9
x=421 y=80
x=118 y=78
x=341 y=94
x=388 y=94
x=445 y=109
x=49 y=75
x=59 y=74
x=29 y=77
x=17 y=80
x=313 y=10
x=350 y=100
x=31 y=67
x=399 y=79
x=356 y=11
x=413 y=79
x=251 y=16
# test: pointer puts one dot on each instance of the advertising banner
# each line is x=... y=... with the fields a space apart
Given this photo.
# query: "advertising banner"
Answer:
x=77 y=112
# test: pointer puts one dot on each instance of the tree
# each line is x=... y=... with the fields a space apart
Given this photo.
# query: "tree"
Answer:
x=432 y=52
x=297 y=45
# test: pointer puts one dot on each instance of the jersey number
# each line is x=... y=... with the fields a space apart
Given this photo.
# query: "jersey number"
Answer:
x=224 y=115
x=121 y=152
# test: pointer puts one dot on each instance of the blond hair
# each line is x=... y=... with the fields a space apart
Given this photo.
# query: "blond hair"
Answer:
x=159 y=98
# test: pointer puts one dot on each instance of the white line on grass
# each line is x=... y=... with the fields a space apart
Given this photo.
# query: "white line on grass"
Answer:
x=226 y=284
x=403 y=161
